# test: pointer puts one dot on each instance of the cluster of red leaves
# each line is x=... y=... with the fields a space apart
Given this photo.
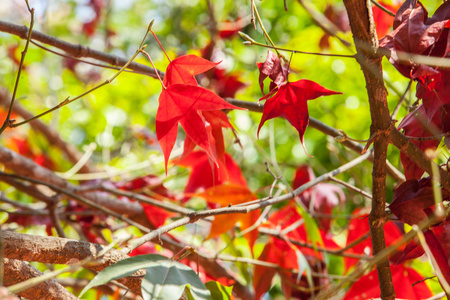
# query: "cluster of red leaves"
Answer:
x=406 y=280
x=323 y=197
x=288 y=256
x=414 y=32
x=23 y=147
x=287 y=99
x=197 y=109
x=220 y=187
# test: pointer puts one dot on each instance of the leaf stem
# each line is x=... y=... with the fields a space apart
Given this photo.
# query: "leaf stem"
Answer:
x=162 y=48
x=8 y=122
x=266 y=35
x=157 y=74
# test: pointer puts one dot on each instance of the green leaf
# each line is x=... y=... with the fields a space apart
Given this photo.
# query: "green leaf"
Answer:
x=312 y=230
x=123 y=268
x=167 y=279
x=218 y=291
x=164 y=278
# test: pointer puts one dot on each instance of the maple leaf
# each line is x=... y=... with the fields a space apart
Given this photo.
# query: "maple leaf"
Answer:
x=408 y=284
x=181 y=103
x=323 y=196
x=226 y=195
x=183 y=69
x=290 y=102
x=285 y=255
x=273 y=69
x=411 y=198
x=225 y=85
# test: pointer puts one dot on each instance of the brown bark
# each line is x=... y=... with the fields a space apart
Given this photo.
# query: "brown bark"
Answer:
x=55 y=250
x=16 y=271
x=364 y=34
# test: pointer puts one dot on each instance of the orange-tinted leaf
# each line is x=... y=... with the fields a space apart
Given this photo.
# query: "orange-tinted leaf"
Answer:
x=226 y=195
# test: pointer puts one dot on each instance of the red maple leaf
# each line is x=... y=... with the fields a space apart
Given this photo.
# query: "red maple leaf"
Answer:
x=273 y=69
x=184 y=68
x=367 y=287
x=290 y=102
x=182 y=103
x=358 y=227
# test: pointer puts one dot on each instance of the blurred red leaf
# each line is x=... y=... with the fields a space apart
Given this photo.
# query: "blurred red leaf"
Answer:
x=150 y=185
x=367 y=287
x=359 y=227
x=383 y=20
x=225 y=85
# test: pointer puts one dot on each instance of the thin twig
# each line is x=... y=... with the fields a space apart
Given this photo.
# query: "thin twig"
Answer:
x=8 y=122
x=352 y=187
x=383 y=8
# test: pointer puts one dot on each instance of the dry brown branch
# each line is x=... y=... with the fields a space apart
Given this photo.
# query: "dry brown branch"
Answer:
x=55 y=250
x=17 y=271
x=75 y=50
